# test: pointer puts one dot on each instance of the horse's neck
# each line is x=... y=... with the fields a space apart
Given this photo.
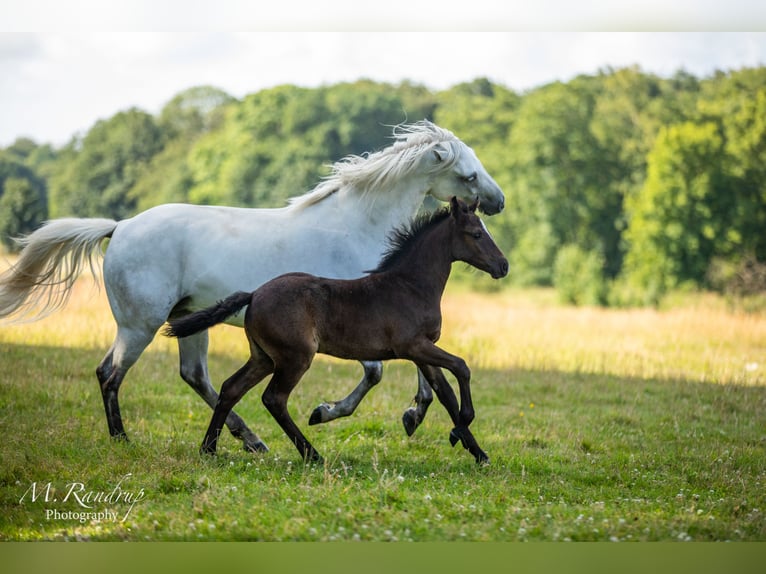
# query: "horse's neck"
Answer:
x=426 y=266
x=382 y=210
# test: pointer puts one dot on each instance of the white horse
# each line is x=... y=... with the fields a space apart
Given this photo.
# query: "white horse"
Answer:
x=174 y=259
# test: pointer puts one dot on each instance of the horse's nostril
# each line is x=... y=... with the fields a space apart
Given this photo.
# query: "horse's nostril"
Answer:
x=504 y=268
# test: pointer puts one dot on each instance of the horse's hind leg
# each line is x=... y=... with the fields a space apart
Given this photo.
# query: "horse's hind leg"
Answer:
x=287 y=374
x=127 y=347
x=232 y=390
x=193 y=359
x=413 y=416
x=373 y=371
x=109 y=384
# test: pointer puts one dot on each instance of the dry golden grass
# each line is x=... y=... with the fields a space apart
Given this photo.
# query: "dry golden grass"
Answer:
x=699 y=340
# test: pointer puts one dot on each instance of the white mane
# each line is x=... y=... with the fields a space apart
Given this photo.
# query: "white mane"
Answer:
x=377 y=171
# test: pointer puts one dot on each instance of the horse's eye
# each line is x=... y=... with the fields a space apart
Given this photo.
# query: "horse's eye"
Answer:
x=470 y=178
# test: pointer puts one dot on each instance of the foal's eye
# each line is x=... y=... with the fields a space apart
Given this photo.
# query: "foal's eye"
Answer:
x=477 y=235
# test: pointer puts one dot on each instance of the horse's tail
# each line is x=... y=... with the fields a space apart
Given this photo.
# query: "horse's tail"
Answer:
x=203 y=319
x=50 y=262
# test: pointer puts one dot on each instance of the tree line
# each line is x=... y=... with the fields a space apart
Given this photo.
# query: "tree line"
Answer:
x=620 y=186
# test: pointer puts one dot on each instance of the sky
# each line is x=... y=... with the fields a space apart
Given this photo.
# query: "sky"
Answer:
x=60 y=73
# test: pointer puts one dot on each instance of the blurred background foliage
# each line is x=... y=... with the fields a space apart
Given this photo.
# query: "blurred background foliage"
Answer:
x=620 y=187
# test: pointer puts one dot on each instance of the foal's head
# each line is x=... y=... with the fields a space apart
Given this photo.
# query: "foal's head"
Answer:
x=472 y=243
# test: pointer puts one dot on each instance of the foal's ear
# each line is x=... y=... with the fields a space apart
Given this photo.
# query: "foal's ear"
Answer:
x=474 y=206
x=456 y=206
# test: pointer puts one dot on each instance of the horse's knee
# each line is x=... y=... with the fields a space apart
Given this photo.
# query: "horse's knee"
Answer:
x=272 y=400
x=424 y=397
x=195 y=376
x=105 y=369
x=373 y=372
x=462 y=372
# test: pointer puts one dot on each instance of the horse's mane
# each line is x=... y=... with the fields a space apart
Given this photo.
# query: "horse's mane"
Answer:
x=376 y=171
x=401 y=240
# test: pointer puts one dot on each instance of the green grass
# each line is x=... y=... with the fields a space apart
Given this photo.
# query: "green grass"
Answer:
x=600 y=425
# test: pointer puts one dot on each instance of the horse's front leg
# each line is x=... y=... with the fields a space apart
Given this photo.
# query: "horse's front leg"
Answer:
x=373 y=371
x=413 y=416
x=446 y=396
x=425 y=352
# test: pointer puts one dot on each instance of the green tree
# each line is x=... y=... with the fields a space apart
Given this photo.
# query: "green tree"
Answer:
x=680 y=218
x=560 y=180
x=194 y=111
x=736 y=102
x=275 y=143
x=105 y=166
x=183 y=120
x=23 y=204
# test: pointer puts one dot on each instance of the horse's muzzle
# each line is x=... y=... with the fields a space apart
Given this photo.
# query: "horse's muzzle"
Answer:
x=488 y=207
x=500 y=270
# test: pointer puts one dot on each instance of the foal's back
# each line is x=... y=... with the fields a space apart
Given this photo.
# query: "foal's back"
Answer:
x=364 y=319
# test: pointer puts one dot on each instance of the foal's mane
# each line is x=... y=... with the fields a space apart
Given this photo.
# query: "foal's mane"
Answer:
x=400 y=241
x=376 y=171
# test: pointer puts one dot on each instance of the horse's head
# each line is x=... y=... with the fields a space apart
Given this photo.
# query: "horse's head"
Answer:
x=472 y=243
x=459 y=173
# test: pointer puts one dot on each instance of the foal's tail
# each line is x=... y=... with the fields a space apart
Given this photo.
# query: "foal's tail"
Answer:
x=52 y=258
x=203 y=319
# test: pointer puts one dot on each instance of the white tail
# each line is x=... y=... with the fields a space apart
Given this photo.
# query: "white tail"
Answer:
x=50 y=262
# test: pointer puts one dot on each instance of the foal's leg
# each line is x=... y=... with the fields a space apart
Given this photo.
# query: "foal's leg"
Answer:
x=193 y=359
x=373 y=371
x=287 y=374
x=447 y=397
x=232 y=390
x=326 y=412
x=413 y=416
x=425 y=352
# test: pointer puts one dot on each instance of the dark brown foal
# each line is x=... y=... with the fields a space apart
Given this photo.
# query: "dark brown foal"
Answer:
x=392 y=313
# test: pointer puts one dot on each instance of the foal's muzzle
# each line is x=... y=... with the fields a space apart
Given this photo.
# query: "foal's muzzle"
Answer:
x=500 y=270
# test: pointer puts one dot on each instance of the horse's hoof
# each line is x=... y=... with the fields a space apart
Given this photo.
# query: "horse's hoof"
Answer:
x=454 y=437
x=482 y=459
x=255 y=447
x=410 y=421
x=321 y=414
x=313 y=458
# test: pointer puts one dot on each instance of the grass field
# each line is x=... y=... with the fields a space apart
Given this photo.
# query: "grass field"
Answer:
x=623 y=425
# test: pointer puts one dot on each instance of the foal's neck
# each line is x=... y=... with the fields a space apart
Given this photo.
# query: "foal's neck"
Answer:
x=427 y=265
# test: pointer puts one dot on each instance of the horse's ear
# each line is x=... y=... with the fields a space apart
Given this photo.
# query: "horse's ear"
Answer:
x=454 y=206
x=459 y=207
x=438 y=155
